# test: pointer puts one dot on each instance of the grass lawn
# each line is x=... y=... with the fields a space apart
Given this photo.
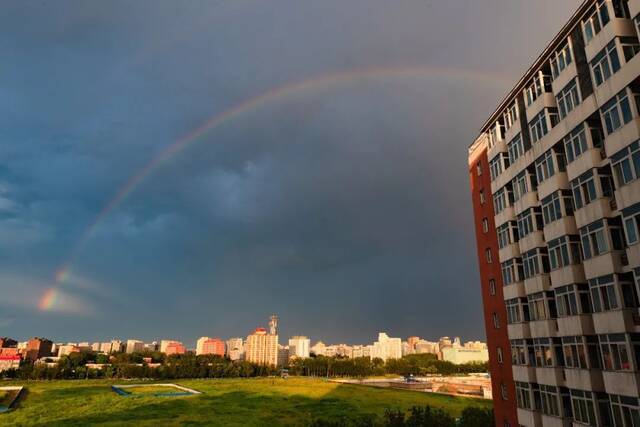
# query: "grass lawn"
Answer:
x=239 y=402
x=151 y=389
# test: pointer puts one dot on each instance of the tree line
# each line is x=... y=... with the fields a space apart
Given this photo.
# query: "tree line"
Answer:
x=136 y=365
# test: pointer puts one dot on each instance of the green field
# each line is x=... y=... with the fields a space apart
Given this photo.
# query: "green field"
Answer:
x=241 y=402
x=151 y=389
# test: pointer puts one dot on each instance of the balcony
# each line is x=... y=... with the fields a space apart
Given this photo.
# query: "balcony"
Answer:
x=518 y=331
x=543 y=328
x=539 y=283
x=499 y=146
x=615 y=321
x=514 y=290
x=584 y=379
x=581 y=324
x=515 y=128
x=546 y=99
x=569 y=73
x=622 y=383
x=531 y=241
x=567 y=275
x=551 y=421
x=525 y=202
x=622 y=137
x=529 y=418
x=557 y=182
x=550 y=376
x=634 y=7
x=597 y=209
x=619 y=80
x=507 y=214
x=610 y=262
x=525 y=374
x=509 y=251
x=627 y=195
x=590 y=159
x=633 y=255
x=561 y=227
x=617 y=27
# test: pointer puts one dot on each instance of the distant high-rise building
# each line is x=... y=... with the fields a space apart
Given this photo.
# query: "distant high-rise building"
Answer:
x=387 y=348
x=134 y=346
x=273 y=325
x=424 y=346
x=262 y=348
x=213 y=346
x=299 y=347
x=412 y=341
x=283 y=355
x=319 y=349
x=235 y=348
x=175 y=347
x=37 y=348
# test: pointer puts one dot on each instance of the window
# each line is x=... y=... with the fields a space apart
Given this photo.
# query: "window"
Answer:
x=605 y=63
x=523 y=395
x=492 y=287
x=583 y=407
x=502 y=199
x=512 y=271
x=495 y=134
x=626 y=410
x=630 y=47
x=584 y=189
x=595 y=237
x=517 y=310
x=568 y=98
x=496 y=321
x=564 y=251
x=537 y=86
x=507 y=234
x=573 y=300
x=539 y=127
x=542 y=306
x=581 y=352
x=529 y=221
x=499 y=355
x=498 y=164
x=485 y=225
x=598 y=18
x=626 y=164
x=561 y=59
x=503 y=391
x=545 y=164
x=603 y=293
x=549 y=398
x=523 y=183
x=510 y=116
x=618 y=350
x=631 y=218
x=482 y=198
x=616 y=112
x=515 y=148
x=575 y=143
x=556 y=205
x=522 y=352
x=479 y=168
x=621 y=9
x=488 y=255
x=535 y=262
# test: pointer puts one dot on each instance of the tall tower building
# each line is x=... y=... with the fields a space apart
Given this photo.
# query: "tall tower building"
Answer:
x=555 y=181
x=262 y=348
x=273 y=325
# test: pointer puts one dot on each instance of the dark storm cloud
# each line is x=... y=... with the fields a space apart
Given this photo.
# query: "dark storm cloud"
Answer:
x=344 y=208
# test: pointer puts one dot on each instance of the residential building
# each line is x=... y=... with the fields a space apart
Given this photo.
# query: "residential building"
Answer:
x=319 y=349
x=206 y=345
x=283 y=355
x=340 y=350
x=37 y=348
x=65 y=350
x=175 y=347
x=424 y=346
x=299 y=347
x=9 y=361
x=361 y=351
x=412 y=341
x=556 y=196
x=387 y=348
x=134 y=346
x=235 y=348
x=262 y=347
x=8 y=342
x=462 y=354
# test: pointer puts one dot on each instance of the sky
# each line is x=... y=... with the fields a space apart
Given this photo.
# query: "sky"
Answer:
x=182 y=169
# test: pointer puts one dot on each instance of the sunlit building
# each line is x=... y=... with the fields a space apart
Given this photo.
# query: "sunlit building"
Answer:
x=387 y=348
x=262 y=348
x=556 y=195
x=175 y=347
x=212 y=346
x=319 y=349
x=37 y=348
x=235 y=348
x=299 y=347
x=134 y=346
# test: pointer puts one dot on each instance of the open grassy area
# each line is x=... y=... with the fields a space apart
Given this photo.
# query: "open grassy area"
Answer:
x=257 y=402
x=151 y=389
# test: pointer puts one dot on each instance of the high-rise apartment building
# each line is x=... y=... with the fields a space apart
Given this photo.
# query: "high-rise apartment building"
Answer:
x=387 y=348
x=37 y=348
x=262 y=347
x=235 y=348
x=211 y=346
x=555 y=177
x=134 y=346
x=299 y=347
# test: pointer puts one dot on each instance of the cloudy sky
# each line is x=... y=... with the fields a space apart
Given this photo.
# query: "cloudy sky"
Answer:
x=338 y=200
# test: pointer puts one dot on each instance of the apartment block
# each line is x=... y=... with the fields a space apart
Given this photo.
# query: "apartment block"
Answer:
x=555 y=177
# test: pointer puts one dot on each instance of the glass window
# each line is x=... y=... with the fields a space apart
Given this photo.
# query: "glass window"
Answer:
x=616 y=112
x=515 y=148
x=605 y=63
x=626 y=410
x=510 y=116
x=597 y=18
x=564 y=251
x=529 y=221
x=507 y=234
x=573 y=300
x=498 y=164
x=568 y=98
x=539 y=126
x=561 y=59
x=626 y=164
x=556 y=205
x=502 y=199
x=512 y=271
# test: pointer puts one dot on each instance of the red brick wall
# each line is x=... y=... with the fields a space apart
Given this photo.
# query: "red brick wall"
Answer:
x=505 y=410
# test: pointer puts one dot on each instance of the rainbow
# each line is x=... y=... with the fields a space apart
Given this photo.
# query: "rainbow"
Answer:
x=236 y=111
x=48 y=299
